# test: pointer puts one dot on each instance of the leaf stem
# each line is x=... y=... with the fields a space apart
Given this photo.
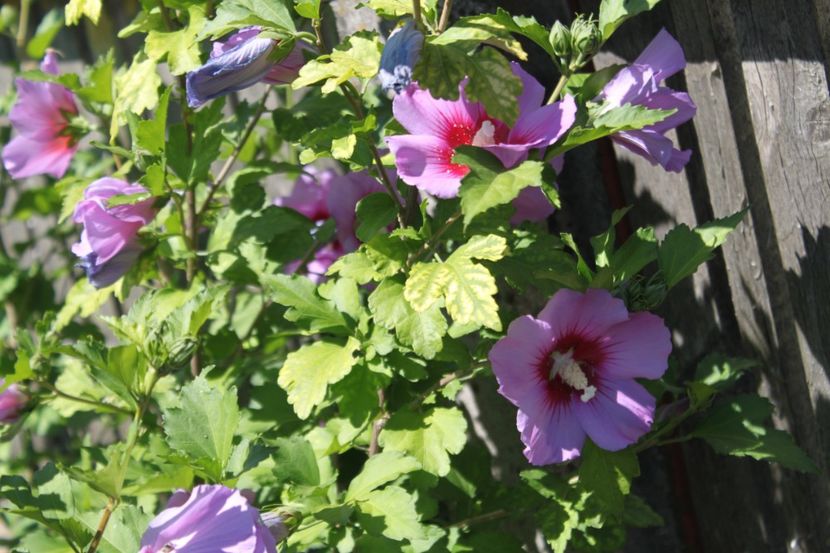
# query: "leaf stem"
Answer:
x=416 y=14
x=445 y=16
x=554 y=96
x=102 y=525
x=654 y=439
x=486 y=517
x=77 y=399
x=377 y=426
x=226 y=168
x=425 y=249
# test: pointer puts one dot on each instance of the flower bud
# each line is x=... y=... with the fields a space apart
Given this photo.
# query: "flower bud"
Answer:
x=560 y=40
x=12 y=403
x=275 y=522
x=181 y=351
x=586 y=37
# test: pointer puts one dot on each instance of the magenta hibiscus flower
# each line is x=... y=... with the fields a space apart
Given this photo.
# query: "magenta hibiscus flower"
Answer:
x=638 y=84
x=44 y=144
x=210 y=518
x=571 y=373
x=438 y=127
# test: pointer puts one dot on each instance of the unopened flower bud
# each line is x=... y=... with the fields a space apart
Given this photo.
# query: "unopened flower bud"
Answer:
x=181 y=351
x=12 y=403
x=275 y=523
x=560 y=41
x=586 y=37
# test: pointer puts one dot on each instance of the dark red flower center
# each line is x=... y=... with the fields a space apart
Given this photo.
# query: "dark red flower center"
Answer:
x=570 y=370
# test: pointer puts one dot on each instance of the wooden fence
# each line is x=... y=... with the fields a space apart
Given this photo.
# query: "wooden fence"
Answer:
x=758 y=73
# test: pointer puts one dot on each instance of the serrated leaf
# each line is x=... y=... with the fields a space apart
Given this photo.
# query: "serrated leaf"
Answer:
x=608 y=474
x=430 y=437
x=721 y=372
x=358 y=57
x=203 y=425
x=308 y=372
x=136 y=91
x=488 y=184
x=469 y=295
x=479 y=29
x=231 y=15
x=490 y=247
x=683 y=250
x=295 y=462
x=737 y=428
x=374 y=213
x=396 y=507
x=299 y=294
x=180 y=48
x=381 y=469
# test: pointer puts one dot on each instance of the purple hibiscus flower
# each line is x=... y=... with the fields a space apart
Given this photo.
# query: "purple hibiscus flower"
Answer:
x=44 y=144
x=242 y=61
x=209 y=518
x=109 y=243
x=571 y=372
x=638 y=84
x=438 y=127
x=12 y=402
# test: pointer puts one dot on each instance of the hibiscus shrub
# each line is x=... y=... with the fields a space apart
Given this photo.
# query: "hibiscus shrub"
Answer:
x=230 y=371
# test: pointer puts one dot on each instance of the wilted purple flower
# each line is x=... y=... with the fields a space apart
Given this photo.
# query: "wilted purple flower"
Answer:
x=400 y=54
x=12 y=402
x=424 y=158
x=109 y=243
x=45 y=142
x=638 y=84
x=208 y=519
x=241 y=61
x=571 y=373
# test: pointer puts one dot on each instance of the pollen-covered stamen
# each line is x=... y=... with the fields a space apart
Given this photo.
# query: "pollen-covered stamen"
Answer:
x=486 y=134
x=565 y=367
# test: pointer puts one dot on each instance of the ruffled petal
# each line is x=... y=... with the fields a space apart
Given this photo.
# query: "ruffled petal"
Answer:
x=107 y=235
x=558 y=439
x=666 y=98
x=533 y=93
x=637 y=348
x=235 y=69
x=425 y=161
x=421 y=114
x=629 y=85
x=664 y=55
x=655 y=147
x=587 y=314
x=620 y=413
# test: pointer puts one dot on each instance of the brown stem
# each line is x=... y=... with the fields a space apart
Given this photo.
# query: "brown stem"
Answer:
x=226 y=168
x=102 y=525
x=486 y=517
x=377 y=426
x=445 y=16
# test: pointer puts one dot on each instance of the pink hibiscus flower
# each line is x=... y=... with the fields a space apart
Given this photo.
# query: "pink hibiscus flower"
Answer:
x=571 y=373
x=44 y=144
x=438 y=127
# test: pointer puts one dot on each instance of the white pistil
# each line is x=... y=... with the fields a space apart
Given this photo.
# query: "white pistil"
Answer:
x=571 y=374
x=486 y=135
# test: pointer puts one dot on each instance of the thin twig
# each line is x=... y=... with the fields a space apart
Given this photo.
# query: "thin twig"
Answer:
x=432 y=241
x=102 y=525
x=416 y=14
x=226 y=168
x=486 y=517
x=78 y=399
x=563 y=80
x=377 y=426
x=445 y=16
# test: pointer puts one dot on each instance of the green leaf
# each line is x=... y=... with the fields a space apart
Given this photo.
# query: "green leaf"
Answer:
x=181 y=47
x=374 y=213
x=358 y=57
x=136 y=91
x=381 y=469
x=430 y=437
x=308 y=8
x=309 y=371
x=46 y=31
x=203 y=425
x=396 y=507
x=491 y=80
x=426 y=284
x=737 y=428
x=477 y=29
x=602 y=121
x=722 y=372
x=423 y=332
x=683 y=250
x=299 y=294
x=125 y=529
x=488 y=184
x=613 y=13
x=76 y=9
x=236 y=14
x=295 y=462
x=525 y=26
x=608 y=474
x=639 y=514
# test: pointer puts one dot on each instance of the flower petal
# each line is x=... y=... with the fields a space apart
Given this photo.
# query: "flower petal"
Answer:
x=628 y=85
x=655 y=147
x=637 y=348
x=545 y=125
x=666 y=98
x=589 y=314
x=23 y=157
x=235 y=69
x=516 y=359
x=425 y=162
x=346 y=192
x=531 y=205
x=533 y=93
x=420 y=113
x=559 y=439
x=664 y=55
x=620 y=413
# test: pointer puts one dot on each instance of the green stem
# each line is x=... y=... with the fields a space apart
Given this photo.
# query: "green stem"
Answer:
x=554 y=96
x=486 y=517
x=100 y=405
x=427 y=247
x=23 y=25
x=669 y=427
x=416 y=14
x=445 y=16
